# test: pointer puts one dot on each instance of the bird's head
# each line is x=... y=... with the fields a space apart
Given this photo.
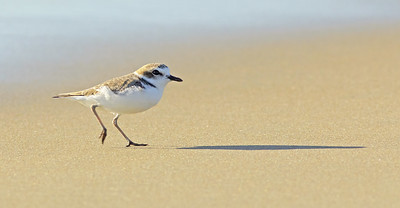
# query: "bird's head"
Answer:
x=157 y=74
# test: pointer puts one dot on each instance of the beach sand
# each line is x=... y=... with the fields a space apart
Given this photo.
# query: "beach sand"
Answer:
x=306 y=121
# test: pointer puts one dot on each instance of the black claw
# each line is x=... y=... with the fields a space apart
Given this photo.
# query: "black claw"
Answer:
x=140 y=144
x=134 y=144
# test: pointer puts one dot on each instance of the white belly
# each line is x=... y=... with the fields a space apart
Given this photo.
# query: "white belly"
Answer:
x=131 y=101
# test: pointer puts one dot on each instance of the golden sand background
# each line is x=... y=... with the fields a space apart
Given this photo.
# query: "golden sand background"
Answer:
x=307 y=121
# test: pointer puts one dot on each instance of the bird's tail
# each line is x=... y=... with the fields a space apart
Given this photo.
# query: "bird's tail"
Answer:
x=70 y=94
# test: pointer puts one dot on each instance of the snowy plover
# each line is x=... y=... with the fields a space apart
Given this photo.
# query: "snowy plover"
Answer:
x=131 y=93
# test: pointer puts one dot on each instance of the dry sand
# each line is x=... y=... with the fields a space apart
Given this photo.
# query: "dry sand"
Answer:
x=310 y=121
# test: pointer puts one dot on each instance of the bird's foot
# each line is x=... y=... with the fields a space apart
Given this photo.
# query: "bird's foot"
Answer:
x=103 y=135
x=134 y=144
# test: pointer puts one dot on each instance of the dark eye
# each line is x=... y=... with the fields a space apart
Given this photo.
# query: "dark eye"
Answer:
x=156 y=72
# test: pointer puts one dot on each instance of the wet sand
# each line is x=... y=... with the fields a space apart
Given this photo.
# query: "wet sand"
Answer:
x=308 y=121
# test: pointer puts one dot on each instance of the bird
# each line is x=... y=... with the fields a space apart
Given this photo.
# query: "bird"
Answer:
x=128 y=94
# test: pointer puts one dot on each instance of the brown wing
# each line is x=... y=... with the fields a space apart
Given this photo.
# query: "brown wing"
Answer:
x=116 y=85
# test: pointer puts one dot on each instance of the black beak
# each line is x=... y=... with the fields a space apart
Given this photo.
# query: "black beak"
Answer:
x=176 y=79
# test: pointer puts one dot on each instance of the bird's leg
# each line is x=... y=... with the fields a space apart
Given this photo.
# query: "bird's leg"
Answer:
x=123 y=134
x=103 y=134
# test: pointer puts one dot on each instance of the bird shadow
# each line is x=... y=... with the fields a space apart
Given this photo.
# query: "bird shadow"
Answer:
x=268 y=147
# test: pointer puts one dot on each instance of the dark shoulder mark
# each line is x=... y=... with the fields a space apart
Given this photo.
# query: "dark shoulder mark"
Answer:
x=136 y=83
x=146 y=82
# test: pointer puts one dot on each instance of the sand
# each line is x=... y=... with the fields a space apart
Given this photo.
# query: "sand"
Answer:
x=306 y=121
